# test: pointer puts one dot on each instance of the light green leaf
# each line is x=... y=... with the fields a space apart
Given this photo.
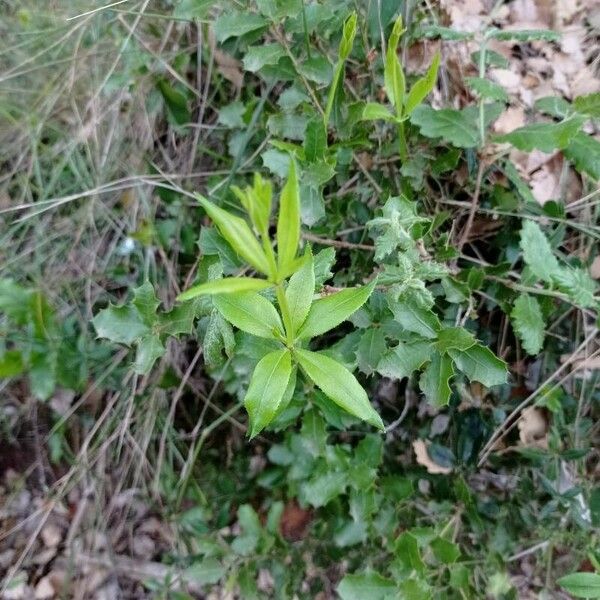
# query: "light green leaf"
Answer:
x=251 y=313
x=235 y=24
x=328 y=312
x=528 y=323
x=588 y=105
x=435 y=380
x=416 y=318
x=445 y=551
x=394 y=80
x=315 y=141
x=336 y=382
x=479 y=363
x=537 y=252
x=347 y=40
x=259 y=56
x=422 y=86
x=555 y=106
x=455 y=126
x=288 y=222
x=300 y=291
x=546 y=137
x=525 y=35
x=487 y=89
x=366 y=586
x=149 y=350
x=238 y=234
x=578 y=285
x=584 y=151
x=581 y=585
x=179 y=319
x=11 y=363
x=229 y=285
x=454 y=337
x=373 y=111
x=207 y=571
x=404 y=359
x=267 y=387
x=320 y=490
x=122 y=324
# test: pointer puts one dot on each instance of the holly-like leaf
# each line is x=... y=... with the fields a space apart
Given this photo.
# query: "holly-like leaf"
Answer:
x=300 y=291
x=370 y=349
x=454 y=337
x=479 y=363
x=328 y=312
x=267 y=387
x=537 y=252
x=546 y=137
x=229 y=285
x=528 y=323
x=404 y=359
x=416 y=318
x=121 y=324
x=238 y=234
x=366 y=586
x=149 y=350
x=251 y=313
x=435 y=380
x=337 y=383
x=145 y=300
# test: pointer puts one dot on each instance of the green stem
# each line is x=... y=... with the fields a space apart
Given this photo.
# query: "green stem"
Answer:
x=482 y=52
x=402 y=145
x=339 y=67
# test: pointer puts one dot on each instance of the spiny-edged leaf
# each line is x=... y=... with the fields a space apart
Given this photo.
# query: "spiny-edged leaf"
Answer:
x=238 y=234
x=454 y=126
x=578 y=284
x=251 y=313
x=323 y=262
x=435 y=380
x=373 y=111
x=525 y=35
x=487 y=89
x=11 y=363
x=422 y=86
x=546 y=137
x=394 y=81
x=229 y=285
x=323 y=488
x=267 y=387
x=336 y=382
x=234 y=24
x=259 y=56
x=300 y=291
x=528 y=323
x=145 y=300
x=537 y=252
x=288 y=222
x=588 y=105
x=584 y=152
x=366 y=586
x=454 y=337
x=178 y=320
x=404 y=359
x=479 y=363
x=149 y=350
x=370 y=349
x=581 y=585
x=122 y=324
x=328 y=312
x=315 y=141
x=415 y=318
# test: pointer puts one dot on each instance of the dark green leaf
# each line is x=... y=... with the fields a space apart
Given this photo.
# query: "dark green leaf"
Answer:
x=435 y=380
x=122 y=324
x=404 y=359
x=479 y=363
x=259 y=56
x=416 y=318
x=454 y=337
x=366 y=586
x=546 y=137
x=584 y=151
x=149 y=350
x=315 y=141
x=236 y=24
x=370 y=349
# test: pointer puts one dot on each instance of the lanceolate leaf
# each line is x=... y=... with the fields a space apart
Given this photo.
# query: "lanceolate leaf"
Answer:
x=422 y=86
x=328 y=312
x=288 y=223
x=250 y=312
x=435 y=380
x=300 y=291
x=528 y=323
x=229 y=285
x=239 y=235
x=395 y=85
x=267 y=387
x=479 y=363
x=339 y=384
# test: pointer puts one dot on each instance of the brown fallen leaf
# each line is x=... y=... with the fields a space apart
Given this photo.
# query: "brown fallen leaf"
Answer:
x=295 y=522
x=512 y=118
x=533 y=428
x=423 y=458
